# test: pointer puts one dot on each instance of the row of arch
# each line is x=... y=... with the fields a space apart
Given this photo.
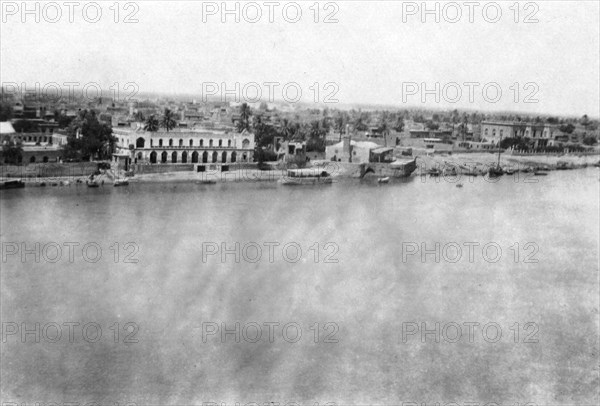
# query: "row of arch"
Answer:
x=141 y=142
x=32 y=159
x=193 y=158
x=34 y=138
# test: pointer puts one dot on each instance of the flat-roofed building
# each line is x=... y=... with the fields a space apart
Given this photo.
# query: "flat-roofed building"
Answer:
x=185 y=146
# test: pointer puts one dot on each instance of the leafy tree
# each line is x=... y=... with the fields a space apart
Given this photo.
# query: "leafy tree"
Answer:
x=568 y=128
x=13 y=152
x=245 y=113
x=585 y=121
x=89 y=138
x=24 y=126
x=431 y=125
x=590 y=141
x=168 y=121
x=517 y=143
x=139 y=116
x=6 y=111
x=62 y=119
x=151 y=124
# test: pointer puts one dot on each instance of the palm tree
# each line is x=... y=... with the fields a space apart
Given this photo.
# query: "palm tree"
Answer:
x=168 y=122
x=286 y=130
x=245 y=114
x=151 y=124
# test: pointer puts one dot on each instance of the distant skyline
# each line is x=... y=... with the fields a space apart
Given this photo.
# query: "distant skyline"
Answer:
x=367 y=58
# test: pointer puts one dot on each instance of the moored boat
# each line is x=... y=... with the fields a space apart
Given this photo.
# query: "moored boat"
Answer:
x=495 y=172
x=309 y=176
x=383 y=180
x=12 y=184
x=121 y=182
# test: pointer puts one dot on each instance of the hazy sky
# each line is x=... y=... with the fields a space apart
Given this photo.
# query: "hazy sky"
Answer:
x=370 y=54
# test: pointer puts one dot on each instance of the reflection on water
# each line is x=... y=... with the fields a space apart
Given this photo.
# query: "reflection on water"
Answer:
x=368 y=288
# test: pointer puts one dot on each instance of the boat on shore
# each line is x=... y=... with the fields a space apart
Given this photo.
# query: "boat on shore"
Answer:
x=207 y=182
x=121 y=182
x=384 y=180
x=495 y=172
x=12 y=184
x=309 y=176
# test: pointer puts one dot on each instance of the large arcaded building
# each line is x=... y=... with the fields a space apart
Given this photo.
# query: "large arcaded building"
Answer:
x=186 y=146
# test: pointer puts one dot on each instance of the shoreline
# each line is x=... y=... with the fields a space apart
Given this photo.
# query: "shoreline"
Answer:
x=456 y=164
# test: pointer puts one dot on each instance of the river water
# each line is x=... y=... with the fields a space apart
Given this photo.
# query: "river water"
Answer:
x=342 y=265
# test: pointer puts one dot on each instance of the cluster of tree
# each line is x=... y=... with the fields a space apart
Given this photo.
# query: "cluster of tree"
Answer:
x=13 y=152
x=6 y=111
x=153 y=123
x=516 y=143
x=88 y=138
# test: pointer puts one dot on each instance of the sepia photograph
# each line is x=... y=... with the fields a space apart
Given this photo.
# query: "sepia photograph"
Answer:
x=300 y=203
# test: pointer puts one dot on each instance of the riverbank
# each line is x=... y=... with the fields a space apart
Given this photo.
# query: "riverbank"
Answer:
x=477 y=163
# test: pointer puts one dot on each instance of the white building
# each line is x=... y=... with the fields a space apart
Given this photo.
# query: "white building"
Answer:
x=183 y=146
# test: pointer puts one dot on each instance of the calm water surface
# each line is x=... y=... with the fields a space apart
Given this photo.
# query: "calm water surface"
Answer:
x=366 y=288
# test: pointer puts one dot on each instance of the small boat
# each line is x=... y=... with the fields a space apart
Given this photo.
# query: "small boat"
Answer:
x=207 y=182
x=538 y=173
x=92 y=183
x=383 y=180
x=495 y=172
x=121 y=182
x=459 y=185
x=12 y=184
x=434 y=172
x=509 y=171
x=310 y=176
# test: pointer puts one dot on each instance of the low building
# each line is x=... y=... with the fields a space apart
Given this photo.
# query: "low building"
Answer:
x=540 y=134
x=291 y=152
x=350 y=151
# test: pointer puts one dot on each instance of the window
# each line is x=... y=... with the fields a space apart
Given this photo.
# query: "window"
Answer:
x=201 y=143
x=486 y=132
x=220 y=143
